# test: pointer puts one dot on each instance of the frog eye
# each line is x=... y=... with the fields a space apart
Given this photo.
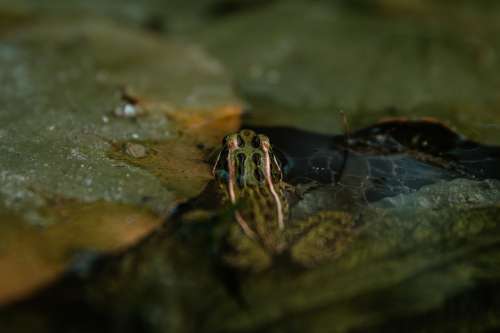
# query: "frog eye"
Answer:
x=276 y=164
x=221 y=167
x=256 y=141
x=241 y=143
x=264 y=141
x=224 y=140
x=281 y=159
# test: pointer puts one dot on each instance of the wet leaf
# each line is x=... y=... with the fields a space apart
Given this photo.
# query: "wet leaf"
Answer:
x=31 y=257
x=62 y=83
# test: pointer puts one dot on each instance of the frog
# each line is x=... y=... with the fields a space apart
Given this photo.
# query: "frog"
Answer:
x=250 y=177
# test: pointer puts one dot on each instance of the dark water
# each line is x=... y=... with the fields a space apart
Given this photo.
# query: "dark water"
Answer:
x=383 y=160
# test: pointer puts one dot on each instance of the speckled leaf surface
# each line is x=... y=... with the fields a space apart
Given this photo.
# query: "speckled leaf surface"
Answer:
x=63 y=112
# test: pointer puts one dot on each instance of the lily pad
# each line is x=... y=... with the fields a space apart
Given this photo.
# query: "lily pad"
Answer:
x=32 y=257
x=371 y=59
x=62 y=83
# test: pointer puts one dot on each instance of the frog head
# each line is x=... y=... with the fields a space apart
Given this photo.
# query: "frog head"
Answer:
x=248 y=157
x=248 y=169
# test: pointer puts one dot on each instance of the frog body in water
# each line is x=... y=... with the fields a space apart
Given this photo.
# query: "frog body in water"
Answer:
x=250 y=177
